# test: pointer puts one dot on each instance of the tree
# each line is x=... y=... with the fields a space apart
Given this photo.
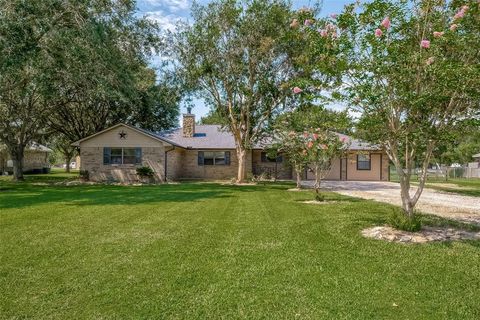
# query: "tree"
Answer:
x=26 y=29
x=212 y=118
x=158 y=108
x=63 y=145
x=291 y=131
x=74 y=66
x=99 y=76
x=322 y=147
x=412 y=72
x=236 y=56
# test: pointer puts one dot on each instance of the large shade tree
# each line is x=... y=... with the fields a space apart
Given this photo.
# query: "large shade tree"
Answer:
x=74 y=67
x=244 y=58
x=413 y=73
x=26 y=29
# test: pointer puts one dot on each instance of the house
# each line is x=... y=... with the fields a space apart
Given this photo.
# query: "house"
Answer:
x=476 y=157
x=204 y=152
x=35 y=159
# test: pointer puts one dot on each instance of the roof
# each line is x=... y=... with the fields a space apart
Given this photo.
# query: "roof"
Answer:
x=355 y=144
x=205 y=137
x=142 y=131
x=214 y=137
x=34 y=146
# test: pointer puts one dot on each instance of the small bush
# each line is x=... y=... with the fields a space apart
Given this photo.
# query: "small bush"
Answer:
x=399 y=220
x=145 y=172
x=84 y=175
x=319 y=196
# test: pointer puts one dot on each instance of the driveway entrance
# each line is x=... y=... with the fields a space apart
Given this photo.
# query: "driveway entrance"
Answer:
x=448 y=205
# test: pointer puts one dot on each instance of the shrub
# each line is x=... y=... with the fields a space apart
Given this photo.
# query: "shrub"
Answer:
x=84 y=175
x=319 y=196
x=145 y=172
x=399 y=220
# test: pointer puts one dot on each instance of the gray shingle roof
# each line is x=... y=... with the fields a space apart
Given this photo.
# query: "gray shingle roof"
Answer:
x=34 y=146
x=206 y=137
x=355 y=144
x=214 y=137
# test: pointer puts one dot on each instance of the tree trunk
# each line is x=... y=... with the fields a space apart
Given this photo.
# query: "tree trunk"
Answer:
x=17 y=155
x=242 y=164
x=68 y=159
x=298 y=172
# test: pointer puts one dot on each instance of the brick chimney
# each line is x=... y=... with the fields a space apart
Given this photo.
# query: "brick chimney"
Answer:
x=188 y=124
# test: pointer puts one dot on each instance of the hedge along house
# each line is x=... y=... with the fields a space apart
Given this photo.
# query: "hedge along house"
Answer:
x=199 y=152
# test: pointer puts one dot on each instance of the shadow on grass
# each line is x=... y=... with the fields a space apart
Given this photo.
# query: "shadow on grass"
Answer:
x=24 y=194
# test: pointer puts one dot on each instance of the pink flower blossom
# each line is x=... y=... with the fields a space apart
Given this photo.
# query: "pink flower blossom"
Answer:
x=310 y=145
x=378 y=33
x=333 y=16
x=330 y=27
x=465 y=8
x=344 y=139
x=438 y=34
x=425 y=44
x=453 y=27
x=386 y=23
x=297 y=90
x=430 y=61
x=315 y=136
x=460 y=14
x=323 y=33
x=294 y=23
x=305 y=135
x=308 y=22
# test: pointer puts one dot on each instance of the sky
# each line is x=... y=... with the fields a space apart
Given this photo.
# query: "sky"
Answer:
x=167 y=12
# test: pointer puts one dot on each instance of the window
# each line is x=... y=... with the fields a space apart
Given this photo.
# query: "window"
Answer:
x=118 y=156
x=213 y=158
x=364 y=162
x=266 y=158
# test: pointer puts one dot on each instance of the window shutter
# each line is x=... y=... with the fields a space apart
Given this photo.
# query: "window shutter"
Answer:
x=200 y=158
x=227 y=158
x=263 y=156
x=280 y=159
x=138 y=155
x=106 y=156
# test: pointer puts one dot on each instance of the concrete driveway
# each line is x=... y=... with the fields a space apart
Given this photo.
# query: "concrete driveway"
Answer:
x=448 y=205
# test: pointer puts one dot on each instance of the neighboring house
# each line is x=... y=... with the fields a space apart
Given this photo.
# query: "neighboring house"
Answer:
x=476 y=157
x=35 y=159
x=204 y=152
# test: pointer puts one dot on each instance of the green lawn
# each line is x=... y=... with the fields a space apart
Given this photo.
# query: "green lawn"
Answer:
x=204 y=251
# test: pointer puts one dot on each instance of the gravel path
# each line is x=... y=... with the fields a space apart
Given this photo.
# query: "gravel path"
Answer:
x=448 y=205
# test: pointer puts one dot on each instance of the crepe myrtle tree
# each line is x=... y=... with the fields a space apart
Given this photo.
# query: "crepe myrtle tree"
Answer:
x=321 y=148
x=291 y=144
x=244 y=58
x=290 y=126
x=412 y=71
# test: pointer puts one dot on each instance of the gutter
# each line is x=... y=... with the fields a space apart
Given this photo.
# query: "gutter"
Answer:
x=166 y=162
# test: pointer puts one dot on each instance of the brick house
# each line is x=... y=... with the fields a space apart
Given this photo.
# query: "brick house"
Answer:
x=204 y=152
x=35 y=159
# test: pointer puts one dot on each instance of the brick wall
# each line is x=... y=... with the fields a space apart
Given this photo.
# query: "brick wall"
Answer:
x=92 y=161
x=188 y=168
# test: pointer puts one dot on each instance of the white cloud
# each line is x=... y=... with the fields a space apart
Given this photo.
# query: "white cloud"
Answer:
x=166 y=21
x=170 y=5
